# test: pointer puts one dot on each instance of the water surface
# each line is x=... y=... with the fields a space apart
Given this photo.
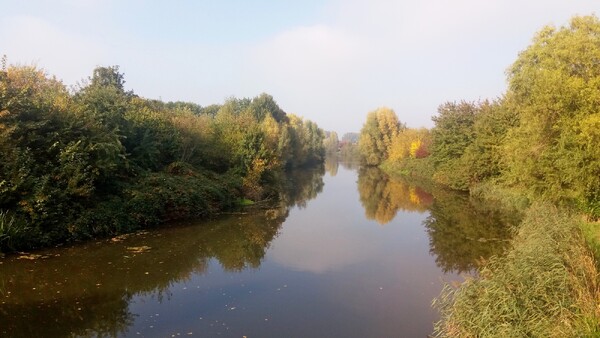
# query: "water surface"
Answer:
x=348 y=253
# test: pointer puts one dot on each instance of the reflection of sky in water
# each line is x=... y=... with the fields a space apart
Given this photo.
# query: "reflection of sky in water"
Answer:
x=329 y=273
x=332 y=232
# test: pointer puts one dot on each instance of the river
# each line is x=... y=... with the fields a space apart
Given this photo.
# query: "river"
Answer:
x=350 y=252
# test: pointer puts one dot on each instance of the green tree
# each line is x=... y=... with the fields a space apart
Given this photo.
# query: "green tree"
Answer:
x=555 y=87
x=306 y=142
x=452 y=134
x=108 y=77
x=483 y=158
x=101 y=160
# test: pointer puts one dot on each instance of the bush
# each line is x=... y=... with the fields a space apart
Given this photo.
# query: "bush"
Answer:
x=181 y=194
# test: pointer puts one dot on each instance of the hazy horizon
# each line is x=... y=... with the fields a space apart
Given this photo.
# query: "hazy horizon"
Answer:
x=329 y=61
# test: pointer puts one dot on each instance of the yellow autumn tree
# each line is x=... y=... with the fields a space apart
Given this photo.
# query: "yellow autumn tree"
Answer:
x=410 y=143
x=376 y=136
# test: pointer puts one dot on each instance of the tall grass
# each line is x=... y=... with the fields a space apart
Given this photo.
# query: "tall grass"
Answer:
x=546 y=286
x=12 y=231
x=591 y=232
x=493 y=192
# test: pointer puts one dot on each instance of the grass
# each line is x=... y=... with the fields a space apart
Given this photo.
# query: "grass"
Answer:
x=246 y=202
x=591 y=233
x=416 y=168
x=546 y=286
x=492 y=192
x=13 y=232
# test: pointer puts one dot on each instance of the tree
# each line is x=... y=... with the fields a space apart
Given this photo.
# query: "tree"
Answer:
x=101 y=161
x=452 y=134
x=350 y=137
x=108 y=77
x=306 y=142
x=264 y=105
x=554 y=86
x=483 y=158
x=410 y=143
x=376 y=135
x=331 y=143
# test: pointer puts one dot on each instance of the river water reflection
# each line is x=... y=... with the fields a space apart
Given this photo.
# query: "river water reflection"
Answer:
x=349 y=253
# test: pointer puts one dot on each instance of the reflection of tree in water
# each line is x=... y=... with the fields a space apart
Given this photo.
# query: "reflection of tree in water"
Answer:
x=301 y=186
x=84 y=316
x=382 y=196
x=349 y=164
x=331 y=165
x=463 y=232
x=86 y=290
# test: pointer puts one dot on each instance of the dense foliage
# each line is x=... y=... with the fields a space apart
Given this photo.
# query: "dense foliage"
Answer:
x=376 y=136
x=538 y=142
x=100 y=160
x=540 y=138
x=555 y=87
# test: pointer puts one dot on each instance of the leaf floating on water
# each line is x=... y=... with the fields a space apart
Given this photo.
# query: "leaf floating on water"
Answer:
x=138 y=249
x=119 y=238
x=29 y=256
x=125 y=236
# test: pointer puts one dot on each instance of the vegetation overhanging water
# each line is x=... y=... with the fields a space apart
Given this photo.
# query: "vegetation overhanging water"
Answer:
x=351 y=253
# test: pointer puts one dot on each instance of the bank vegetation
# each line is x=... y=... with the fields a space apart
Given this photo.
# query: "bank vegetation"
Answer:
x=99 y=160
x=534 y=149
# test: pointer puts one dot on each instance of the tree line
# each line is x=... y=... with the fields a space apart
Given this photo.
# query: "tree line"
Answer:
x=540 y=138
x=99 y=160
x=535 y=148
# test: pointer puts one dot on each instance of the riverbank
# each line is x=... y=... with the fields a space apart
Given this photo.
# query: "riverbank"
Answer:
x=97 y=160
x=155 y=198
x=490 y=191
x=547 y=285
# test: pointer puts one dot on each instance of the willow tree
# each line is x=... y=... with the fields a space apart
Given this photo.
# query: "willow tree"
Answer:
x=555 y=87
x=376 y=136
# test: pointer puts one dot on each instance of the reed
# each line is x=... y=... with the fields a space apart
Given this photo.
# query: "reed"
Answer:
x=546 y=286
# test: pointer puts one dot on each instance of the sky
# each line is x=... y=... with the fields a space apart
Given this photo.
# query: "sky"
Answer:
x=330 y=61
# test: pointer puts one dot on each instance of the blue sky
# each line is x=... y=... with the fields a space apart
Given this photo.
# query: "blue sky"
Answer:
x=331 y=61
